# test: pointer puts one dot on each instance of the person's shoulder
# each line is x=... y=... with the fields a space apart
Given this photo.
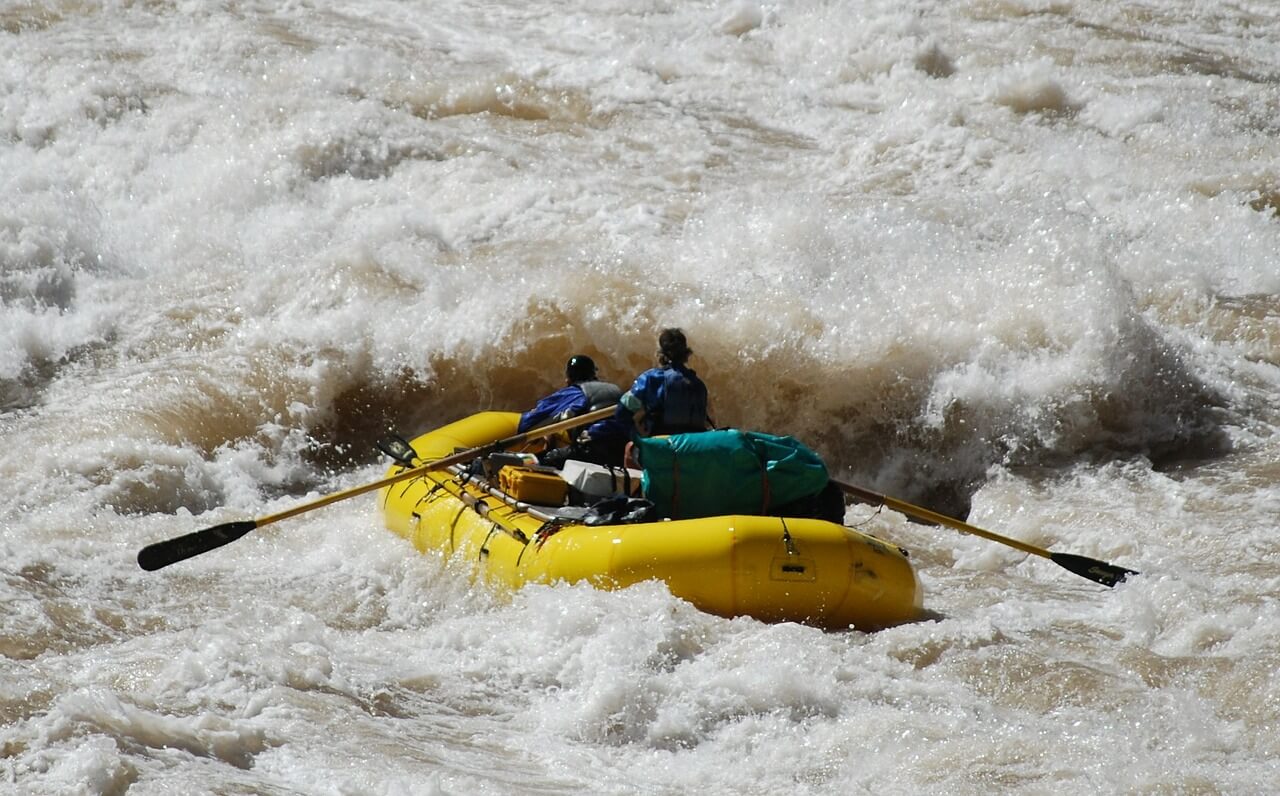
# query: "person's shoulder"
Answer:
x=562 y=396
x=647 y=375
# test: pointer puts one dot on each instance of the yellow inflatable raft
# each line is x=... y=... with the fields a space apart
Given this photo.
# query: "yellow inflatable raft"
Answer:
x=772 y=568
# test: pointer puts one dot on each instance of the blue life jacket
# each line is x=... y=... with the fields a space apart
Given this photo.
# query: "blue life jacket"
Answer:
x=682 y=403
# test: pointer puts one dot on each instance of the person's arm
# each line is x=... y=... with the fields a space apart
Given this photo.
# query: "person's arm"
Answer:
x=630 y=410
x=632 y=405
x=539 y=413
x=563 y=403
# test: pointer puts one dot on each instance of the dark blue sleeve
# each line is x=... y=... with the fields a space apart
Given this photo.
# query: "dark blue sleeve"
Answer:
x=642 y=395
x=564 y=402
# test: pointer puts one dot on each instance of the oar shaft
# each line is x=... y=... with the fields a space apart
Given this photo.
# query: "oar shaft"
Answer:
x=162 y=554
x=440 y=464
x=876 y=498
x=1091 y=568
x=337 y=496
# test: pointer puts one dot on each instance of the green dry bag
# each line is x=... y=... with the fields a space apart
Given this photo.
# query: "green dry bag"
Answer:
x=712 y=473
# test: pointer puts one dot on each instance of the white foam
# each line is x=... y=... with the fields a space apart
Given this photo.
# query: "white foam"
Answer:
x=1024 y=255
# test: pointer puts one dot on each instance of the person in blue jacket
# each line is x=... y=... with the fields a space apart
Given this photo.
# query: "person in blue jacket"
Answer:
x=602 y=442
x=668 y=399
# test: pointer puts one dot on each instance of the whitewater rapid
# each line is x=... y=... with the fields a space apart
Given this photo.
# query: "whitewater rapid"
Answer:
x=1012 y=259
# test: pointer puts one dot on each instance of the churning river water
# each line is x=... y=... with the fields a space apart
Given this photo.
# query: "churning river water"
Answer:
x=1015 y=258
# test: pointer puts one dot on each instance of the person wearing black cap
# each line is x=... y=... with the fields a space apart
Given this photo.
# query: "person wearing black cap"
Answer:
x=602 y=442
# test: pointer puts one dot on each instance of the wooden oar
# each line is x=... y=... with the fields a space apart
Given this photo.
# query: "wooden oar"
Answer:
x=1091 y=568
x=162 y=554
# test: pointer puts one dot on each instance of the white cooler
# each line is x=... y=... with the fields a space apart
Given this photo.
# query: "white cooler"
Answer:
x=598 y=480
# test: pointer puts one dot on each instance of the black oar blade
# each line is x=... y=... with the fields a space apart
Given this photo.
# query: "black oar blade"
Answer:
x=171 y=551
x=1092 y=568
x=398 y=448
